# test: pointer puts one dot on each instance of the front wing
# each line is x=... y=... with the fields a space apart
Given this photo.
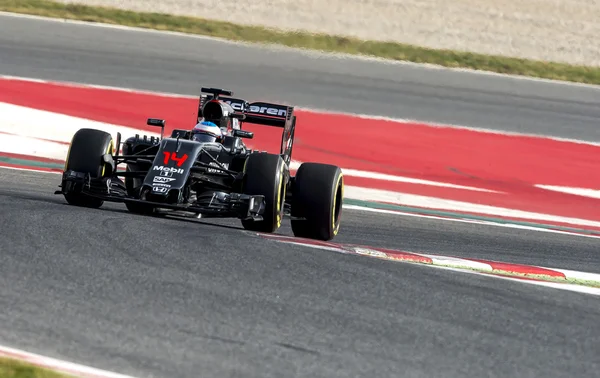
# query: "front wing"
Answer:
x=223 y=205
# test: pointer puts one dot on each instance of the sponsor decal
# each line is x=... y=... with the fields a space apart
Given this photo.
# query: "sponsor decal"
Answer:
x=267 y=110
x=213 y=170
x=166 y=174
x=159 y=189
x=235 y=105
x=163 y=185
x=163 y=179
x=239 y=106
x=167 y=169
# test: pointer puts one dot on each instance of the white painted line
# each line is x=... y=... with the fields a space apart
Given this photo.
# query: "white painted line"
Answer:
x=414 y=200
x=433 y=124
x=59 y=365
x=294 y=165
x=408 y=180
x=305 y=51
x=471 y=221
x=583 y=192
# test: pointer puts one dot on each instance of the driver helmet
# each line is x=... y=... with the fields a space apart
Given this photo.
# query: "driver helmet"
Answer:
x=207 y=132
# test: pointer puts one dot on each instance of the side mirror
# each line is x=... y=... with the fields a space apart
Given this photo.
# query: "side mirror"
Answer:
x=243 y=134
x=158 y=123
x=155 y=122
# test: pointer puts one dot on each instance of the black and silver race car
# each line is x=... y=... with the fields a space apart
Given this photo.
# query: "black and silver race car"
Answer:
x=181 y=176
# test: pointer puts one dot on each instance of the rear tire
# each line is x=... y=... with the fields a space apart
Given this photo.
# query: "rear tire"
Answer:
x=317 y=196
x=264 y=174
x=85 y=155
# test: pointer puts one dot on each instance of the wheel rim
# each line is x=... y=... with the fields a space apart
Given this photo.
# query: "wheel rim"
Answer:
x=337 y=205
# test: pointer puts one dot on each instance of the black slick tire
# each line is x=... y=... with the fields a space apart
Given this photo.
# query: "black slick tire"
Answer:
x=87 y=148
x=317 y=197
x=264 y=174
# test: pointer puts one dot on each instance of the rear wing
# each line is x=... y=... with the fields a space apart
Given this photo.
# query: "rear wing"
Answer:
x=259 y=113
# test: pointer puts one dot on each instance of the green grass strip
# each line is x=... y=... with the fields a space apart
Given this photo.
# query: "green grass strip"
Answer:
x=10 y=368
x=322 y=42
x=31 y=164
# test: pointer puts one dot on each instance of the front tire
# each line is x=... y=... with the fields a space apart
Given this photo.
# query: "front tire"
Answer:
x=317 y=197
x=264 y=174
x=87 y=148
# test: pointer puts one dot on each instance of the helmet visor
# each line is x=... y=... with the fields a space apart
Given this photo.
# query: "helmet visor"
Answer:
x=204 y=138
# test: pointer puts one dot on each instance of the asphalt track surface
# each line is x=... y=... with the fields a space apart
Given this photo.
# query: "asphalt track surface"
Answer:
x=164 y=297
x=152 y=61
x=185 y=298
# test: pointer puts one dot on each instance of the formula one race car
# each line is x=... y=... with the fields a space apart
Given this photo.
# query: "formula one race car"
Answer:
x=206 y=175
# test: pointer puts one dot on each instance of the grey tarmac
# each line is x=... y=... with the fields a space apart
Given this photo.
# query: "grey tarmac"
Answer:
x=164 y=297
